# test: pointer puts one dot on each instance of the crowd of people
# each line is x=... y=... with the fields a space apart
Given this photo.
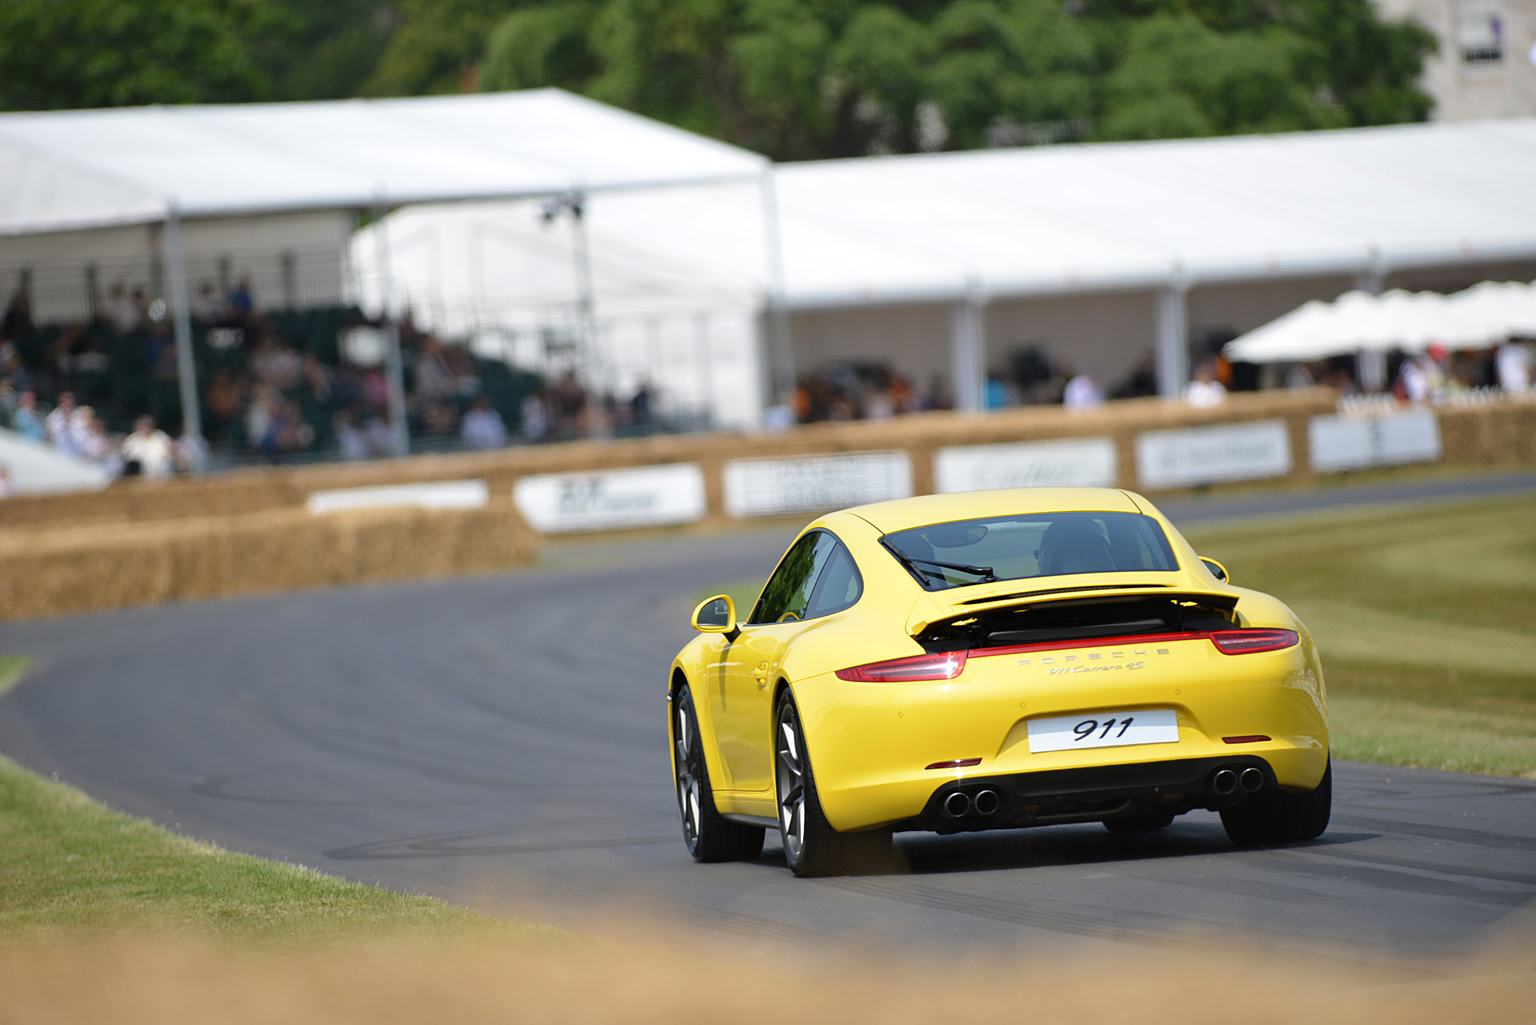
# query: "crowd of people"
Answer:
x=280 y=385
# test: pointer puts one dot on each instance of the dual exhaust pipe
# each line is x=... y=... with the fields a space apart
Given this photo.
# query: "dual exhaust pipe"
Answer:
x=960 y=804
x=1227 y=781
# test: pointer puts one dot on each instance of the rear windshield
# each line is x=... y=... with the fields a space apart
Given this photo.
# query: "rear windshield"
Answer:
x=1031 y=545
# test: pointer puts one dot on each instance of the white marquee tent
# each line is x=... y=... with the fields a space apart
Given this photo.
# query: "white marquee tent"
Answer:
x=980 y=231
x=77 y=171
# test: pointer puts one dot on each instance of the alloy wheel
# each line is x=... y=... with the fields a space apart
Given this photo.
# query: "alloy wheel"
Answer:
x=791 y=783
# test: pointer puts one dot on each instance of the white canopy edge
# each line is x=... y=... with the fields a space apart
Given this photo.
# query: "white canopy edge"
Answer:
x=93 y=168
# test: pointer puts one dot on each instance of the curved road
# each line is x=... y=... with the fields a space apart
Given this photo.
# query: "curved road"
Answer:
x=500 y=741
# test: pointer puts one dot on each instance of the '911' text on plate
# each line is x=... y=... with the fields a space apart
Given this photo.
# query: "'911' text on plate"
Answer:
x=1104 y=729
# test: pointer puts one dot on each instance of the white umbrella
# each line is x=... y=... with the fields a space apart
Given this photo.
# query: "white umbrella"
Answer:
x=1358 y=322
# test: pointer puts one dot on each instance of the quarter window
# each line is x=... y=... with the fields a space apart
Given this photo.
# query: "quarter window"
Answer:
x=817 y=577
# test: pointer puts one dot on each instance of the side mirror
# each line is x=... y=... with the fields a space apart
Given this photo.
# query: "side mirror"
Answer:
x=1217 y=569
x=717 y=615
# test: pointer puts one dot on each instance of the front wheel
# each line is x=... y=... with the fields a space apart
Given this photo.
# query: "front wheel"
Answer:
x=811 y=846
x=709 y=836
x=1274 y=816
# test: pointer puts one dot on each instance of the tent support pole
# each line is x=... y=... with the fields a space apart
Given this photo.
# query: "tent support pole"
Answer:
x=186 y=370
x=968 y=351
x=781 y=348
x=1172 y=339
x=586 y=306
x=394 y=365
x=1371 y=364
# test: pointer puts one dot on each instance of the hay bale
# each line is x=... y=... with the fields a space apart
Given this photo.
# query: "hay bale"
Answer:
x=83 y=568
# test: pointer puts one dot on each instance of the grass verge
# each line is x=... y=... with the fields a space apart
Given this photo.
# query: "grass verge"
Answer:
x=71 y=867
x=1426 y=618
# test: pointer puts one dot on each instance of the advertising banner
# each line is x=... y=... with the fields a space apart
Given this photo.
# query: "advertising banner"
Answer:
x=1078 y=462
x=445 y=494
x=1205 y=455
x=646 y=496
x=1353 y=443
x=768 y=487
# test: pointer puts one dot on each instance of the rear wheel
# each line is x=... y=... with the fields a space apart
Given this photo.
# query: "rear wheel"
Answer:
x=1274 y=816
x=709 y=836
x=811 y=846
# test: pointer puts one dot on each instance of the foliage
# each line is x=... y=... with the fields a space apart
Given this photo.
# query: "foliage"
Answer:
x=795 y=79
x=112 y=53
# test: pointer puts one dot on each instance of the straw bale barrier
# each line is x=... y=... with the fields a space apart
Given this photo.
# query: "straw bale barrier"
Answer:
x=1500 y=434
x=921 y=435
x=87 y=567
x=142 y=542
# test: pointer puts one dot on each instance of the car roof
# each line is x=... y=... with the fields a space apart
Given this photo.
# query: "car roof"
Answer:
x=923 y=510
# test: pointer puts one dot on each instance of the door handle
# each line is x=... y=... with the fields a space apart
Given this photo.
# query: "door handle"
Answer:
x=760 y=674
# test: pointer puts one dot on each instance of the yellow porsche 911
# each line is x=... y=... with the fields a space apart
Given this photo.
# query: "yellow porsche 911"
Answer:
x=993 y=660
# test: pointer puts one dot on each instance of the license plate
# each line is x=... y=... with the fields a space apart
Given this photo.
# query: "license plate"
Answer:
x=1104 y=729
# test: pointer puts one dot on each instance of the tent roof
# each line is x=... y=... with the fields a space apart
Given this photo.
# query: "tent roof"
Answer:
x=93 y=168
x=1096 y=217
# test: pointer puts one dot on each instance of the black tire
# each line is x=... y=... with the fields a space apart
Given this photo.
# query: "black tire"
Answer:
x=709 y=836
x=1274 y=816
x=811 y=846
x=1140 y=822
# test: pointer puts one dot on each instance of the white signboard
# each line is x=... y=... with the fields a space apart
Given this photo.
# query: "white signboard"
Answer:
x=447 y=494
x=1351 y=443
x=1078 y=463
x=1203 y=455
x=646 y=496
x=766 y=487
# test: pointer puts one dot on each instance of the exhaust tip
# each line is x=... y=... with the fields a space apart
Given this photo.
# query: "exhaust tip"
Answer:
x=1224 y=782
x=956 y=805
x=1252 y=779
x=986 y=802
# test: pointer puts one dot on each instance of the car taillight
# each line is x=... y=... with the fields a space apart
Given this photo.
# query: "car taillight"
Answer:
x=944 y=666
x=1246 y=642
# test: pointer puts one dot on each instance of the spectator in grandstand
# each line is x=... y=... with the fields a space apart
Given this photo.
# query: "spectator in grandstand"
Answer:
x=1423 y=378
x=350 y=438
x=208 y=307
x=225 y=398
x=26 y=420
x=535 y=416
x=434 y=377
x=58 y=424
x=381 y=436
x=1082 y=392
x=242 y=301
x=13 y=372
x=483 y=427
x=148 y=451
x=1514 y=366
x=1141 y=381
x=191 y=454
x=1205 y=391
x=569 y=402
x=17 y=322
x=317 y=378
x=92 y=442
x=120 y=310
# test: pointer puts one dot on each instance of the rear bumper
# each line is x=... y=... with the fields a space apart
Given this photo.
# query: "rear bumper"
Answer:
x=1090 y=794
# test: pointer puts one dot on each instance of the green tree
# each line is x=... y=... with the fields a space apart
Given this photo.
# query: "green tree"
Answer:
x=436 y=46
x=539 y=46
x=108 y=53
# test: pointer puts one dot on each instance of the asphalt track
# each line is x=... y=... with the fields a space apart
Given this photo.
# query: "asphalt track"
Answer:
x=500 y=741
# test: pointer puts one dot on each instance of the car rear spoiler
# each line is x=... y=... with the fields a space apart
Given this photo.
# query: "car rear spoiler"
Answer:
x=937 y=607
